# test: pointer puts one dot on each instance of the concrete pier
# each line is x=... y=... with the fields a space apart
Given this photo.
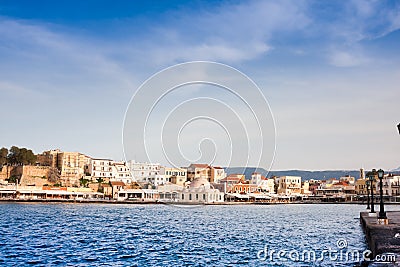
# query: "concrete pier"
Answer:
x=382 y=239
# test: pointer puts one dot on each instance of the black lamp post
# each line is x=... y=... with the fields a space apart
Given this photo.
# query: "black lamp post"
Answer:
x=398 y=127
x=382 y=213
x=368 y=187
x=371 y=180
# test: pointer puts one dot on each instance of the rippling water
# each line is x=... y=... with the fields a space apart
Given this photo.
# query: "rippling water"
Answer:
x=163 y=235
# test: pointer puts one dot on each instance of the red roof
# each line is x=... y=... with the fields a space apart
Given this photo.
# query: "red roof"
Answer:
x=342 y=183
x=117 y=183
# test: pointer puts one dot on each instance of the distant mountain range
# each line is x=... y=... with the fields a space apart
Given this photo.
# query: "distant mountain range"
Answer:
x=305 y=175
x=396 y=170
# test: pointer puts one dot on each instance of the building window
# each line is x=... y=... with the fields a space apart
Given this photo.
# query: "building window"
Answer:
x=197 y=196
x=183 y=196
x=190 y=196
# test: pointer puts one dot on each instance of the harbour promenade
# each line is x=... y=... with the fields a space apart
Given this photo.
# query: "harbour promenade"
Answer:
x=382 y=239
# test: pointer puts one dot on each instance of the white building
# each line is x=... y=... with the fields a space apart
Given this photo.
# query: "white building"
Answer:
x=100 y=168
x=122 y=172
x=140 y=195
x=391 y=185
x=109 y=170
x=157 y=179
x=265 y=184
x=169 y=192
x=289 y=185
x=200 y=191
x=142 y=171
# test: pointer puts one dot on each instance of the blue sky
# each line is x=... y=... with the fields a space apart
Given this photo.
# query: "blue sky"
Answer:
x=330 y=71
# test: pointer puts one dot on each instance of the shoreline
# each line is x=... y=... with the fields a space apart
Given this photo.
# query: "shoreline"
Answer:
x=115 y=202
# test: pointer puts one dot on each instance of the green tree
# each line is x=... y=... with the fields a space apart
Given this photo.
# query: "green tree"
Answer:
x=13 y=156
x=3 y=156
x=30 y=157
x=13 y=179
x=83 y=182
x=21 y=156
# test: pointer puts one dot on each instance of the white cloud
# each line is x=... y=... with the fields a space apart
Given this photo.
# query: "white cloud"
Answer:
x=230 y=33
x=33 y=51
x=347 y=59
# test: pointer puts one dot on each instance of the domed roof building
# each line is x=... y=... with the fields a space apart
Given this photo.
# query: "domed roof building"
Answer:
x=200 y=191
x=201 y=183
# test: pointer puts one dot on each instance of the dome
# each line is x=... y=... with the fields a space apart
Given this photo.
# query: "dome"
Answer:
x=199 y=183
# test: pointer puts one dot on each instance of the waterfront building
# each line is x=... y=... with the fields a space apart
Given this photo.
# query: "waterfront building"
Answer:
x=157 y=179
x=330 y=182
x=48 y=192
x=289 y=185
x=313 y=186
x=265 y=184
x=391 y=185
x=217 y=174
x=256 y=178
x=71 y=166
x=100 y=169
x=361 y=187
x=121 y=172
x=169 y=192
x=195 y=171
x=333 y=193
x=351 y=180
x=212 y=174
x=232 y=179
x=244 y=188
x=337 y=191
x=174 y=175
x=305 y=188
x=116 y=186
x=142 y=195
x=200 y=191
x=106 y=170
x=142 y=171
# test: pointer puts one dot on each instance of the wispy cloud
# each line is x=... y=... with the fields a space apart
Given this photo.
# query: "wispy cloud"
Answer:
x=348 y=58
x=358 y=21
x=230 y=33
x=34 y=51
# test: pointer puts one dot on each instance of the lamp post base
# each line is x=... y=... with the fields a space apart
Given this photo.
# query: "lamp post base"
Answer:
x=383 y=221
x=382 y=215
